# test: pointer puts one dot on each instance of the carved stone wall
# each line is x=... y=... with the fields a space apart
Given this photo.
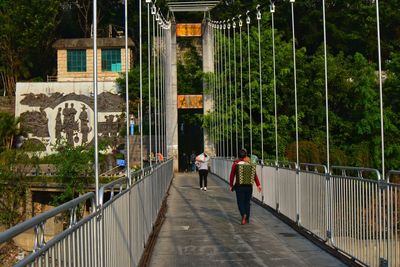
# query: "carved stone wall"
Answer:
x=64 y=110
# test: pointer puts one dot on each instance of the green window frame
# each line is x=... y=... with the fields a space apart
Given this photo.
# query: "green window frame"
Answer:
x=76 y=60
x=111 y=59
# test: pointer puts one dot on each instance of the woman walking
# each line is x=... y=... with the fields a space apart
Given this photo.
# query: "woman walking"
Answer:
x=202 y=165
x=246 y=175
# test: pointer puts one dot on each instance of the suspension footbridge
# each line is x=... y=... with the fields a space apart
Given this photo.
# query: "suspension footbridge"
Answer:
x=159 y=217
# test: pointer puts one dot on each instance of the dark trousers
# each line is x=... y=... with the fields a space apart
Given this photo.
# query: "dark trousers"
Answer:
x=203 y=177
x=243 y=197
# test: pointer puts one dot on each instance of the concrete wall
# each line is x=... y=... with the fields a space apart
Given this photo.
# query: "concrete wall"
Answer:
x=208 y=66
x=171 y=96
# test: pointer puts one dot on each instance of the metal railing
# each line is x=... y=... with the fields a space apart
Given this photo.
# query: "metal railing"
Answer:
x=113 y=234
x=357 y=216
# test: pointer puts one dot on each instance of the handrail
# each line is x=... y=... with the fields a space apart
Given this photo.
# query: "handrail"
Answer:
x=31 y=257
x=41 y=247
x=269 y=162
x=41 y=218
x=119 y=182
x=147 y=170
x=287 y=164
x=390 y=173
x=359 y=170
x=107 y=173
x=316 y=166
x=321 y=203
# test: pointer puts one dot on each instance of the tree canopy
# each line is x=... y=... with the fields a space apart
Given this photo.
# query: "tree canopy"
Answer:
x=30 y=27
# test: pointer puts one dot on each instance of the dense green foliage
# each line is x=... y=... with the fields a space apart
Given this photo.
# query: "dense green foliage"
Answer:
x=189 y=68
x=14 y=164
x=9 y=130
x=75 y=169
x=30 y=27
x=354 y=112
x=12 y=186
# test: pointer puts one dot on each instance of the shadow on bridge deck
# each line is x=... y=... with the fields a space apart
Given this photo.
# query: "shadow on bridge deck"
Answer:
x=203 y=229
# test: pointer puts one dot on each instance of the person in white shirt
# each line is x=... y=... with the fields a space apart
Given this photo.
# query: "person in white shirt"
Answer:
x=202 y=165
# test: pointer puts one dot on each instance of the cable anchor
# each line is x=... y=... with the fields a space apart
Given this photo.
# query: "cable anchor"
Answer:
x=258 y=12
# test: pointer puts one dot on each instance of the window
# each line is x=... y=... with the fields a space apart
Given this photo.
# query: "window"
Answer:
x=76 y=60
x=111 y=60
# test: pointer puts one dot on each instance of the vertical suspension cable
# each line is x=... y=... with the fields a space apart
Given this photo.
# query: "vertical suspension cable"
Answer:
x=153 y=12
x=327 y=206
x=226 y=93
x=381 y=221
x=235 y=84
x=95 y=93
x=216 y=77
x=141 y=85
x=158 y=83
x=213 y=89
x=249 y=74
x=221 y=86
x=127 y=159
x=164 y=91
x=149 y=77
x=162 y=83
x=212 y=110
x=221 y=91
x=326 y=87
x=217 y=89
x=230 y=87
x=272 y=10
x=218 y=132
x=297 y=127
x=295 y=81
x=163 y=87
x=222 y=65
x=261 y=94
x=156 y=65
x=212 y=128
x=378 y=32
x=241 y=75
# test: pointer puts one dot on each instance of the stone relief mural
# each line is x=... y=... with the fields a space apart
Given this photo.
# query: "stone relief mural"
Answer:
x=35 y=122
x=51 y=117
x=106 y=101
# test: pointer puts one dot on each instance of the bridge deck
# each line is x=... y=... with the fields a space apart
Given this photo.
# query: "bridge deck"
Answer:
x=203 y=229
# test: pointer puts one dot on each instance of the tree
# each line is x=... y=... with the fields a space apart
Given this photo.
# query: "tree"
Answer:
x=26 y=35
x=190 y=72
x=9 y=129
x=13 y=164
x=74 y=167
x=109 y=12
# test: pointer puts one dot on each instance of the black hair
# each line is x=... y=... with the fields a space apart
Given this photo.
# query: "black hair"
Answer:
x=242 y=153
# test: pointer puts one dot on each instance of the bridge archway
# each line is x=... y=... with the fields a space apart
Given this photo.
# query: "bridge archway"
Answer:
x=182 y=137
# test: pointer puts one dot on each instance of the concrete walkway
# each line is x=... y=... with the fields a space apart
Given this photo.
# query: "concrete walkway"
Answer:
x=203 y=229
